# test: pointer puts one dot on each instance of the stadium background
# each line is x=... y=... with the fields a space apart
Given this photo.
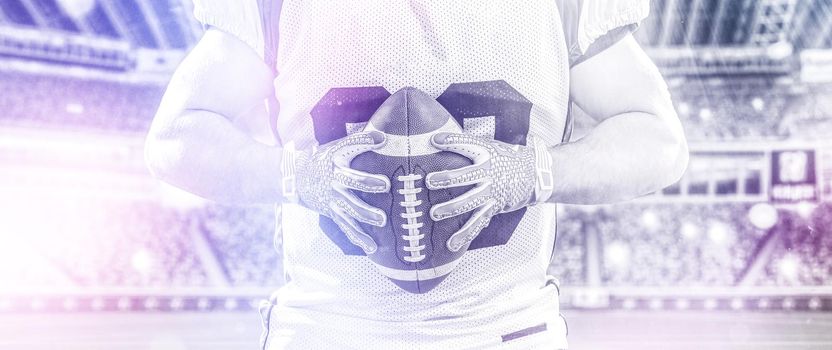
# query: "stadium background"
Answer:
x=94 y=253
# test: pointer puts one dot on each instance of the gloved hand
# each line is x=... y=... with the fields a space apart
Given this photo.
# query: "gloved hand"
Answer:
x=507 y=177
x=323 y=180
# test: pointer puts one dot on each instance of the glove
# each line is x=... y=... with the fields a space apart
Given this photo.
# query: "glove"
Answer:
x=507 y=177
x=323 y=179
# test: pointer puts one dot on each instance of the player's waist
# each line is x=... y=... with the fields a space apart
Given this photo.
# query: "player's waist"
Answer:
x=502 y=324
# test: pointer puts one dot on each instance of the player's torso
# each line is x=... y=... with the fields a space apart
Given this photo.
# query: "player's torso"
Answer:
x=499 y=67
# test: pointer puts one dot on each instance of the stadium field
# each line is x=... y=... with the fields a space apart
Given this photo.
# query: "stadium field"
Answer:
x=619 y=330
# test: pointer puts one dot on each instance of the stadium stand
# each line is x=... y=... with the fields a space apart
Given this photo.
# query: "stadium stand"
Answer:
x=103 y=243
x=243 y=241
x=804 y=250
x=47 y=101
x=569 y=261
x=675 y=244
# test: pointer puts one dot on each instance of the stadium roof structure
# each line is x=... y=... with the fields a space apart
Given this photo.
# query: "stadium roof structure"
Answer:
x=153 y=24
x=166 y=24
x=686 y=37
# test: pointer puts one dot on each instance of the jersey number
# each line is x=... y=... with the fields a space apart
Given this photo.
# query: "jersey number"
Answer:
x=343 y=109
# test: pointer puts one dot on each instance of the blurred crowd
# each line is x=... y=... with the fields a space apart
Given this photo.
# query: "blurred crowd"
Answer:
x=66 y=103
x=130 y=244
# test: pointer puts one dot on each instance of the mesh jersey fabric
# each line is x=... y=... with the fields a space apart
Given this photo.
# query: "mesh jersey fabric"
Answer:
x=335 y=53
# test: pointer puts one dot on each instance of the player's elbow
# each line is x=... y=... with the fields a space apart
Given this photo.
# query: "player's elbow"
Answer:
x=163 y=152
x=673 y=149
x=154 y=157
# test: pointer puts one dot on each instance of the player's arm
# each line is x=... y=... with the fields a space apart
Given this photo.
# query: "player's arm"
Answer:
x=193 y=143
x=639 y=145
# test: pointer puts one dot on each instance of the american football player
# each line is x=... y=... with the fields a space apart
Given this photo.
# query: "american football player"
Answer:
x=507 y=71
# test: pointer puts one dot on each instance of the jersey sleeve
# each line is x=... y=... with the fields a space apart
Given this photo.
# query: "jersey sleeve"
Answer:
x=591 y=26
x=241 y=18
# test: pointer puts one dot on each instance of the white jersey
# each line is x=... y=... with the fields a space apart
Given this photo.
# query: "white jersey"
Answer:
x=502 y=69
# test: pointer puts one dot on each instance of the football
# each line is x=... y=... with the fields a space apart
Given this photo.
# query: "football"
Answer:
x=412 y=248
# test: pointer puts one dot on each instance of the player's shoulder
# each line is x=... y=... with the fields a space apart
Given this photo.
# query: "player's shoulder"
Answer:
x=586 y=21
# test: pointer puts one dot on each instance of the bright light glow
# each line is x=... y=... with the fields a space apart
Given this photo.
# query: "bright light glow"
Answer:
x=123 y=304
x=230 y=304
x=177 y=303
x=650 y=220
x=76 y=8
x=763 y=216
x=142 y=261
x=203 y=303
x=690 y=231
x=737 y=304
x=780 y=50
x=815 y=303
x=758 y=104
x=805 y=209
x=97 y=304
x=151 y=303
x=617 y=254
x=705 y=114
x=763 y=303
x=75 y=108
x=656 y=304
x=710 y=304
x=683 y=109
x=718 y=233
x=788 y=267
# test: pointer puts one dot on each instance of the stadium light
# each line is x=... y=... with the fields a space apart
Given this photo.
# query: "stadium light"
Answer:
x=779 y=50
x=718 y=233
x=683 y=108
x=656 y=304
x=203 y=304
x=123 y=304
x=710 y=304
x=788 y=267
x=177 y=304
x=690 y=231
x=815 y=303
x=763 y=216
x=650 y=220
x=151 y=303
x=788 y=303
x=758 y=104
x=76 y=8
x=737 y=304
x=705 y=114
x=74 y=108
x=97 y=304
x=805 y=209
x=142 y=261
x=617 y=254
x=763 y=304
